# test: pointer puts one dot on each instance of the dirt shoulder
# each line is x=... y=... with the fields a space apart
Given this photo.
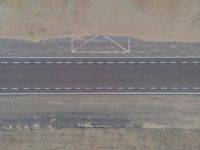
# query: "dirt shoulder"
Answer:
x=100 y=111
x=154 y=122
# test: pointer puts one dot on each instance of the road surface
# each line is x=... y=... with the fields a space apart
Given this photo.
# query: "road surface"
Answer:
x=99 y=76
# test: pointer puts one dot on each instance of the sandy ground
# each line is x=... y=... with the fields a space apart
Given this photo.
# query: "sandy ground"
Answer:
x=177 y=20
x=101 y=139
x=156 y=113
x=144 y=111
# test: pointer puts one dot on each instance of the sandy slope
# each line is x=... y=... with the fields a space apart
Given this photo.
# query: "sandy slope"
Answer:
x=149 y=19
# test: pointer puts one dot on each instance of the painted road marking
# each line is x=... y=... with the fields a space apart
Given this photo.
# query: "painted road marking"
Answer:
x=49 y=62
x=121 y=62
x=16 y=62
x=184 y=88
x=172 y=62
x=131 y=62
x=4 y=62
x=100 y=62
x=142 y=88
x=142 y=62
x=106 y=90
x=14 y=88
x=164 y=88
x=174 y=88
x=26 y=88
x=67 y=88
x=27 y=62
x=68 y=62
x=37 y=62
x=195 y=62
x=59 y=62
x=109 y=88
x=90 y=62
x=196 y=88
x=99 y=88
x=131 y=88
x=152 y=62
x=163 y=62
x=110 y=62
x=120 y=88
x=87 y=88
x=184 y=62
x=153 y=88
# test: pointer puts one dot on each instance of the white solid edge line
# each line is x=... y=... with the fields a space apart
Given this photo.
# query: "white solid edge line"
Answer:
x=108 y=93
x=29 y=57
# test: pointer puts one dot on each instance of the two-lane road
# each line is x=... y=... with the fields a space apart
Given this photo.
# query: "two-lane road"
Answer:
x=99 y=75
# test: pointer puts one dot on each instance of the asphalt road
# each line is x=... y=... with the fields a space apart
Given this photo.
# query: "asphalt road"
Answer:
x=99 y=76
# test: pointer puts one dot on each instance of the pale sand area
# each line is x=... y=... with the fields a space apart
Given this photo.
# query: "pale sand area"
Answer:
x=176 y=20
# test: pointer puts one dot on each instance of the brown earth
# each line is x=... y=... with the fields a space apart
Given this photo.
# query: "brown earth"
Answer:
x=177 y=20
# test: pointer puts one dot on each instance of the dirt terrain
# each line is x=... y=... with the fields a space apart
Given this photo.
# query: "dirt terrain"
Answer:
x=167 y=122
x=177 y=20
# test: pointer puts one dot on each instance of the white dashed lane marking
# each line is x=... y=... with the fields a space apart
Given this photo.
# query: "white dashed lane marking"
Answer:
x=195 y=62
x=131 y=62
x=68 y=88
x=110 y=62
x=99 y=88
x=174 y=88
x=196 y=88
x=142 y=88
x=121 y=62
x=37 y=62
x=109 y=88
x=68 y=62
x=16 y=62
x=27 y=62
x=153 y=88
x=163 y=62
x=4 y=62
x=131 y=88
x=184 y=88
x=184 y=62
x=102 y=62
x=49 y=62
x=102 y=88
x=90 y=62
x=172 y=62
x=14 y=88
x=142 y=62
x=59 y=62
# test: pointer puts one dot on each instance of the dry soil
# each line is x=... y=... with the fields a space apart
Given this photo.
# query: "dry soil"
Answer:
x=177 y=20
